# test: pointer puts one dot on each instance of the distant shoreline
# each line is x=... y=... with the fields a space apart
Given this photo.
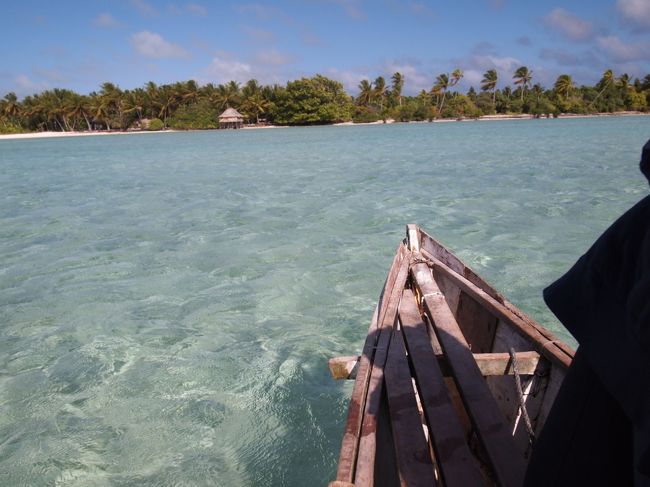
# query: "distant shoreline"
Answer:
x=484 y=118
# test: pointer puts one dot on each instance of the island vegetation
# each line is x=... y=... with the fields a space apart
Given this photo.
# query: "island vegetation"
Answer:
x=316 y=100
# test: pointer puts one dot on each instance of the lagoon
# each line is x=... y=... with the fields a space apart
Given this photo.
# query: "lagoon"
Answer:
x=168 y=303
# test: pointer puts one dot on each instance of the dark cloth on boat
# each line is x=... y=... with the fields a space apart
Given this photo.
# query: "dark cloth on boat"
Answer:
x=601 y=418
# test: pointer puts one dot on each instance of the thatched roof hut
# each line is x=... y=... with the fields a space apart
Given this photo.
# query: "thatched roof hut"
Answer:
x=231 y=119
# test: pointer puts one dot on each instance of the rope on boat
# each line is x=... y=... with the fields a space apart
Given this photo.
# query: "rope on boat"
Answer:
x=522 y=401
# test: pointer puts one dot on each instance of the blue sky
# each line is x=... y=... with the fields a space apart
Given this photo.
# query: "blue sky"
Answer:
x=80 y=44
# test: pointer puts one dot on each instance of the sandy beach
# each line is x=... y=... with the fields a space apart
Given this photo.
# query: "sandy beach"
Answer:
x=484 y=118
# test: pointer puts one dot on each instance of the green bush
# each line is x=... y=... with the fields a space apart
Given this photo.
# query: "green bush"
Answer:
x=195 y=116
x=156 y=124
x=10 y=127
x=365 y=115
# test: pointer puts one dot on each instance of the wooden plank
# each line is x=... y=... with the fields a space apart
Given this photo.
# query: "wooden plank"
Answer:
x=413 y=237
x=455 y=461
x=386 y=471
x=365 y=461
x=490 y=364
x=507 y=462
x=436 y=249
x=411 y=447
x=541 y=339
x=477 y=324
x=351 y=435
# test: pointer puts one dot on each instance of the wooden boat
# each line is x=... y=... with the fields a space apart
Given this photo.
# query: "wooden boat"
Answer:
x=454 y=382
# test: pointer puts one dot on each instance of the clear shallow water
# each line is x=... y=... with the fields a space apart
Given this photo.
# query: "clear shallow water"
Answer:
x=168 y=302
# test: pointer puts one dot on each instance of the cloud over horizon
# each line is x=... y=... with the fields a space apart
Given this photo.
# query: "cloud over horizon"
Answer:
x=569 y=25
x=152 y=45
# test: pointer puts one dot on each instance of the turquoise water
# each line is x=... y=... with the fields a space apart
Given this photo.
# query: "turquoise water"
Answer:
x=168 y=302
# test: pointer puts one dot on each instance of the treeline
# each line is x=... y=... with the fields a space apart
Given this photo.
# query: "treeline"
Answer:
x=316 y=100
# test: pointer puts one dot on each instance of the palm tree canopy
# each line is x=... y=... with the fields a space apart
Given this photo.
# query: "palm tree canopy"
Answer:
x=522 y=76
x=564 y=84
x=442 y=82
x=489 y=81
x=456 y=76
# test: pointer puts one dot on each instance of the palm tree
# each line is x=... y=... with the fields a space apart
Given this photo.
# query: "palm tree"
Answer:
x=188 y=92
x=537 y=90
x=441 y=86
x=380 y=90
x=227 y=95
x=624 y=82
x=77 y=106
x=10 y=105
x=251 y=88
x=134 y=101
x=605 y=82
x=168 y=98
x=365 y=93
x=398 y=83
x=522 y=77
x=489 y=82
x=255 y=104
x=456 y=76
x=563 y=85
x=424 y=97
x=151 y=89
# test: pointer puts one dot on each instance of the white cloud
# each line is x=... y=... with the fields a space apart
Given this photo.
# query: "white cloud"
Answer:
x=273 y=57
x=349 y=79
x=414 y=79
x=351 y=7
x=623 y=52
x=421 y=9
x=223 y=70
x=25 y=86
x=569 y=25
x=197 y=9
x=472 y=77
x=150 y=44
x=258 y=35
x=259 y=11
x=106 y=20
x=636 y=12
x=144 y=8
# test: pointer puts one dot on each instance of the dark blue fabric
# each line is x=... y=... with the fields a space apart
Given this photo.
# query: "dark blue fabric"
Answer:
x=604 y=301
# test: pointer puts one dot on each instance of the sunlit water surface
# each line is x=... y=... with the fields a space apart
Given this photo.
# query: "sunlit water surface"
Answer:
x=168 y=302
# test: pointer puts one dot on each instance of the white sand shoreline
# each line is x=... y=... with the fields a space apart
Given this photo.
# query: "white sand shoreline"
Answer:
x=485 y=118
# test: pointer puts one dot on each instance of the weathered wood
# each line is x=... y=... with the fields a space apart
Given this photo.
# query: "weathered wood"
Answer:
x=351 y=435
x=543 y=340
x=343 y=368
x=364 y=475
x=435 y=249
x=413 y=237
x=412 y=450
x=489 y=364
x=477 y=324
x=386 y=471
x=506 y=461
x=455 y=461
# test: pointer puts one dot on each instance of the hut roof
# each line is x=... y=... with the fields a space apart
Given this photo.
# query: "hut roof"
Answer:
x=231 y=114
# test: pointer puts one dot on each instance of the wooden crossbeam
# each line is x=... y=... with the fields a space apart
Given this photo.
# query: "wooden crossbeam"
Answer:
x=490 y=426
x=345 y=368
